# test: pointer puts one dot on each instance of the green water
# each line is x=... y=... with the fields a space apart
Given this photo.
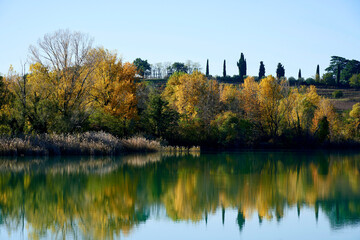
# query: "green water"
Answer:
x=244 y=195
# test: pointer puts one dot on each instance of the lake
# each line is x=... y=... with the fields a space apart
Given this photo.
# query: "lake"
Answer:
x=234 y=195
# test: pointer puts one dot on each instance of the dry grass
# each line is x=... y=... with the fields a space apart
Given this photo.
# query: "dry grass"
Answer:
x=89 y=143
x=140 y=144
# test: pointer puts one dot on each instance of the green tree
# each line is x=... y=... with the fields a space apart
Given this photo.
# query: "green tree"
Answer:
x=207 y=68
x=162 y=119
x=142 y=66
x=352 y=67
x=179 y=67
x=242 y=66
x=337 y=64
x=299 y=75
x=224 y=69
x=5 y=94
x=317 y=75
x=280 y=71
x=261 y=70
x=328 y=79
x=355 y=80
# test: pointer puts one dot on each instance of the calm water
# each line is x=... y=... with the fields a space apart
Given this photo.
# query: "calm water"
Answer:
x=247 y=195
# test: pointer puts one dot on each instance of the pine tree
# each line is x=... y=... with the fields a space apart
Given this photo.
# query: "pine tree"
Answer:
x=261 y=70
x=224 y=70
x=207 y=68
x=317 y=75
x=299 y=75
x=242 y=66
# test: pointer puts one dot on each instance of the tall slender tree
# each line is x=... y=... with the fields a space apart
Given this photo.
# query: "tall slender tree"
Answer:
x=224 y=69
x=207 y=68
x=261 y=70
x=242 y=66
x=299 y=75
x=280 y=71
x=317 y=75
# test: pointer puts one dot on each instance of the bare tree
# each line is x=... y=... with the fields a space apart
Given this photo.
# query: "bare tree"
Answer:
x=68 y=56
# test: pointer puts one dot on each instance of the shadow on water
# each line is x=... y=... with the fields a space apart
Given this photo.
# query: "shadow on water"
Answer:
x=103 y=197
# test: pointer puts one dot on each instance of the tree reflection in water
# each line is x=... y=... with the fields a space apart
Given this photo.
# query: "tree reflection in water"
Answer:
x=103 y=197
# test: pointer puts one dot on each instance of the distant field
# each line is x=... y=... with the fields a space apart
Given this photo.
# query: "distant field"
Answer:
x=350 y=97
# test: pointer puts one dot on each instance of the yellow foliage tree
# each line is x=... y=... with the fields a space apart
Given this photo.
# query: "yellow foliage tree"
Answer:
x=326 y=109
x=194 y=96
x=273 y=96
x=251 y=104
x=62 y=65
x=230 y=98
x=114 y=88
x=305 y=102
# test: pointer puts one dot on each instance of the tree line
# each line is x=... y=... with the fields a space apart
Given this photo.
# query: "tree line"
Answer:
x=74 y=87
x=341 y=72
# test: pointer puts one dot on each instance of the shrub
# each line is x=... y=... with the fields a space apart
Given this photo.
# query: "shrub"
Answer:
x=355 y=80
x=337 y=94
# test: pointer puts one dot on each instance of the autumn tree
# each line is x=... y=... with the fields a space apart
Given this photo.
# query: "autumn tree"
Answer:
x=62 y=68
x=113 y=93
x=305 y=102
x=250 y=99
x=114 y=87
x=325 y=114
x=230 y=98
x=193 y=95
x=273 y=107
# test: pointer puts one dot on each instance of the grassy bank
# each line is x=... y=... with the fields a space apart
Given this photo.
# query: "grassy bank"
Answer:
x=88 y=143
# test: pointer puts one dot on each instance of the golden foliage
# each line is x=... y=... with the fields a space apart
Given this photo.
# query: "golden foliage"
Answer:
x=114 y=87
x=194 y=96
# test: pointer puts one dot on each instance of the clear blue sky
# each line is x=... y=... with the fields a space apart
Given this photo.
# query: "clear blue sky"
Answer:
x=299 y=34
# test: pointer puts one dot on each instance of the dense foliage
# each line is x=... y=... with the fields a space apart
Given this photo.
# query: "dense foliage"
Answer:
x=73 y=87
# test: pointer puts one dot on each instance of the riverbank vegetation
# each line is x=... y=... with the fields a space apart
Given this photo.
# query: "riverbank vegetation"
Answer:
x=73 y=88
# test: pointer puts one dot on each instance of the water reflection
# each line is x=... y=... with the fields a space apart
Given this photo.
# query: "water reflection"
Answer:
x=102 y=197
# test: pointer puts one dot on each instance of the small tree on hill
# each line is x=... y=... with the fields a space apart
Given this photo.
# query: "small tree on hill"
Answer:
x=242 y=66
x=261 y=70
x=280 y=71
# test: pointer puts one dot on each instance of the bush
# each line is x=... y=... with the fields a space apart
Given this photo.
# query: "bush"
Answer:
x=355 y=80
x=230 y=130
x=5 y=130
x=337 y=94
x=310 y=81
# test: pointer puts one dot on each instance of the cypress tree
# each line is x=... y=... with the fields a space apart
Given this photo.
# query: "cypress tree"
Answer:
x=207 y=68
x=224 y=69
x=280 y=71
x=317 y=75
x=261 y=70
x=242 y=66
x=299 y=75
x=338 y=74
